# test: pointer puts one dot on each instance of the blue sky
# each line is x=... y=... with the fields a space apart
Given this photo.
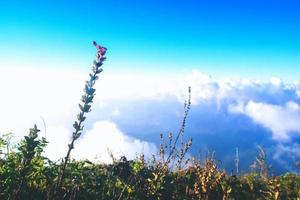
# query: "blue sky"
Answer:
x=255 y=38
x=240 y=57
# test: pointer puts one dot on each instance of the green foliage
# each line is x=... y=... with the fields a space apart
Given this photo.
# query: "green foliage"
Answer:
x=26 y=174
x=21 y=171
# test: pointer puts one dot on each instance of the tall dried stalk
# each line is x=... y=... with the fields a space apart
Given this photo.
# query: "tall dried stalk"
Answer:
x=187 y=106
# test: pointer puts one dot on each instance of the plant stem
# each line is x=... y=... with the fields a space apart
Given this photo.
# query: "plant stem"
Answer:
x=87 y=99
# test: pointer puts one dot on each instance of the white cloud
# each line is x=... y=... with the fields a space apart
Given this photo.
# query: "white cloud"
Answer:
x=58 y=138
x=281 y=120
x=287 y=151
x=96 y=144
x=143 y=86
x=204 y=88
x=104 y=137
x=288 y=156
x=276 y=81
x=116 y=112
x=29 y=94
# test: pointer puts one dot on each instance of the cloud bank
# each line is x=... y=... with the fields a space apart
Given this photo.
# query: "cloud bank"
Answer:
x=131 y=109
x=282 y=120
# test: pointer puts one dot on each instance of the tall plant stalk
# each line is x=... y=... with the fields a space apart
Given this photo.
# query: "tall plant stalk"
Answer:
x=85 y=107
x=187 y=106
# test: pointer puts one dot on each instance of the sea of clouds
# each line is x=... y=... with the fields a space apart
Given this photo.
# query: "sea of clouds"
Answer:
x=130 y=110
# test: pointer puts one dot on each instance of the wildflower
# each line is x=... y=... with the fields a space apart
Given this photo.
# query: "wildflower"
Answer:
x=85 y=107
x=101 y=50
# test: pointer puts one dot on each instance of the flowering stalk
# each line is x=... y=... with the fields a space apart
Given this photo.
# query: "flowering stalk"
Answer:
x=85 y=107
